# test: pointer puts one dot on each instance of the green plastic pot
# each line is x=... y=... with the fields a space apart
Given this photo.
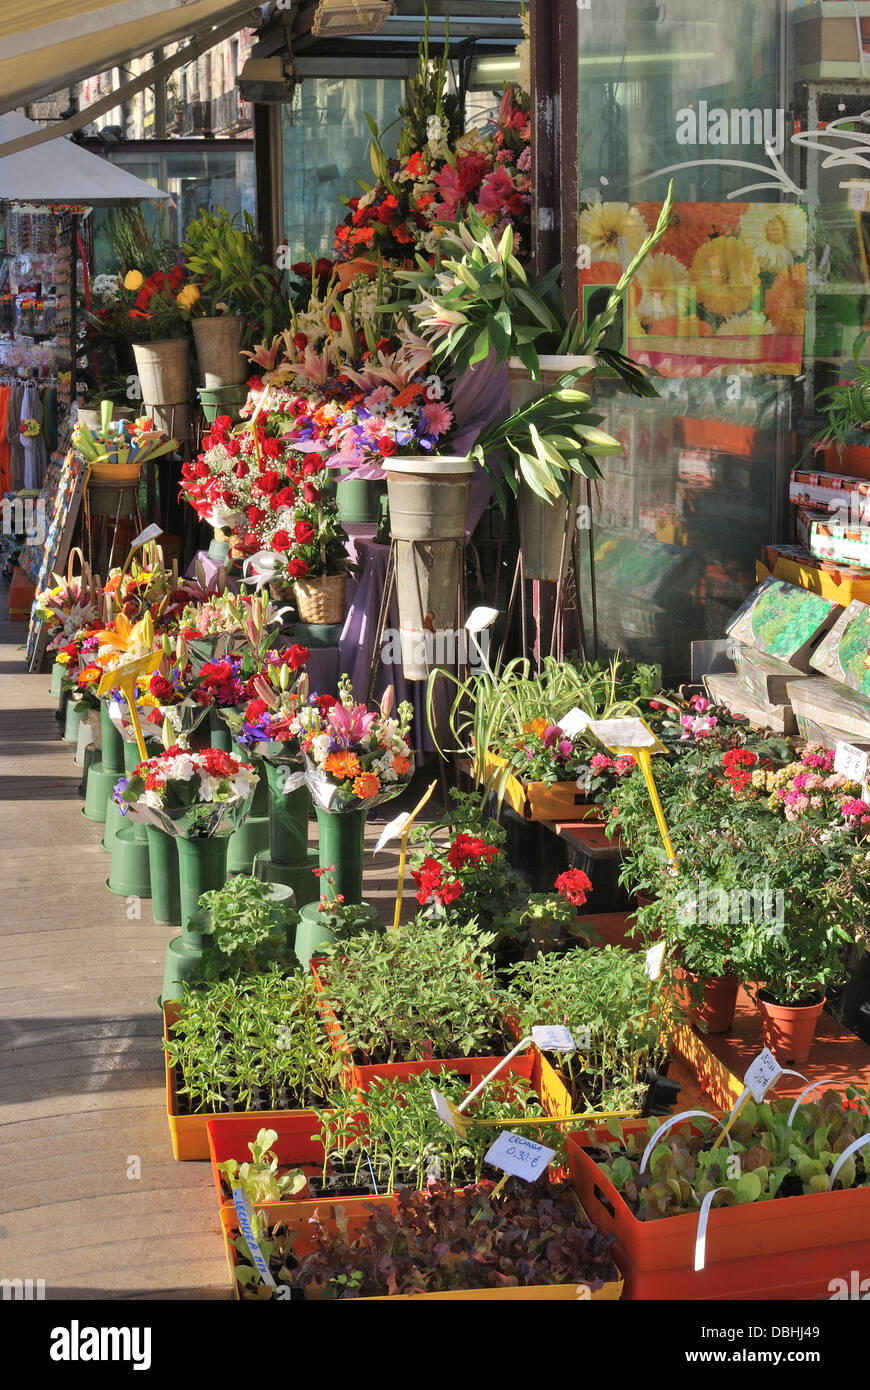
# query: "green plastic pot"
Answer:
x=165 y=888
x=219 y=734
x=91 y=759
x=341 y=841
x=112 y=744
x=359 y=500
x=57 y=675
x=301 y=878
x=72 y=719
x=131 y=757
x=222 y=400
x=130 y=875
x=98 y=791
x=311 y=934
x=114 y=822
x=251 y=838
x=288 y=819
x=202 y=865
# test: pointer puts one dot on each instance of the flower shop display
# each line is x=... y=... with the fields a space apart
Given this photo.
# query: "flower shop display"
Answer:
x=773 y=857
x=397 y=1000
x=622 y=1023
x=330 y=919
x=394 y=1138
x=771 y=1209
x=252 y=1043
x=159 y=307
x=355 y=759
x=266 y=727
x=196 y=799
x=506 y=722
x=535 y=1245
x=117 y=452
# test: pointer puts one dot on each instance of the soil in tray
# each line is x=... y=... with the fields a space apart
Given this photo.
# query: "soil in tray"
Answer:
x=259 y=1099
x=576 y=1083
x=342 y=1182
x=495 y=1047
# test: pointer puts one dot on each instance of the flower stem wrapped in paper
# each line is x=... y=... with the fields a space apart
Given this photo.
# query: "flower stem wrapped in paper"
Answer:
x=193 y=796
x=355 y=757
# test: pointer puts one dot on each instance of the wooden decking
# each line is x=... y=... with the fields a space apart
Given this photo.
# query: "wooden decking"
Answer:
x=81 y=1069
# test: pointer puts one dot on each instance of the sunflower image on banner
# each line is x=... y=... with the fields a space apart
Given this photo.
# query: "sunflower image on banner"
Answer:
x=724 y=291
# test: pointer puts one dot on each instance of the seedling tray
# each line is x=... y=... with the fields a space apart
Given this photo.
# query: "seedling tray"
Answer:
x=355 y=1218
x=357 y=1077
x=750 y=1247
x=189 y=1133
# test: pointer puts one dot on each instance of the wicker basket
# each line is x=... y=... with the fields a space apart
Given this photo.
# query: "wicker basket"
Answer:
x=321 y=600
x=282 y=590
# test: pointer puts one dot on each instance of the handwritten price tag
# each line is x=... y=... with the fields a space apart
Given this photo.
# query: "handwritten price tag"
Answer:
x=850 y=762
x=149 y=534
x=653 y=964
x=519 y=1156
x=761 y=1074
x=574 y=723
x=551 y=1038
x=392 y=829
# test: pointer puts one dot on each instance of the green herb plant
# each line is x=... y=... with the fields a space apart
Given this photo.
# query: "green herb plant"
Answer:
x=254 y=1042
x=246 y=927
x=259 y=1179
x=768 y=1158
x=622 y=1022
x=427 y=990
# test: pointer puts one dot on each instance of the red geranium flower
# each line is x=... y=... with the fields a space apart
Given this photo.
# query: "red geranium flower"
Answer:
x=574 y=886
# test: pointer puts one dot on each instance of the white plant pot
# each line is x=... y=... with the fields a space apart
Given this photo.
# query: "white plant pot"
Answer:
x=428 y=510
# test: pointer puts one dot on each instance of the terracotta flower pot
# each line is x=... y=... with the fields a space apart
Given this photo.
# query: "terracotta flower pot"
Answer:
x=718 y=1001
x=786 y=1030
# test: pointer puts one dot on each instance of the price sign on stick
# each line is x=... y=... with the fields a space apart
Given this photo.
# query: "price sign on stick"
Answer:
x=392 y=828
x=761 y=1074
x=518 y=1156
x=850 y=762
x=551 y=1038
x=574 y=722
x=653 y=963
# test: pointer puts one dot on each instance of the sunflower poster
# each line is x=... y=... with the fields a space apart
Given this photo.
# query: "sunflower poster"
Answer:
x=724 y=290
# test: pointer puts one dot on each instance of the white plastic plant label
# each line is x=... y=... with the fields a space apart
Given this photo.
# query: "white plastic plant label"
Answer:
x=653 y=963
x=850 y=762
x=575 y=722
x=447 y=1113
x=761 y=1074
x=519 y=1156
x=149 y=534
x=552 y=1038
x=245 y=1213
x=391 y=830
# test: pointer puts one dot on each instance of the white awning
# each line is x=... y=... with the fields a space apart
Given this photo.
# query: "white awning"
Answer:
x=80 y=38
x=60 y=172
